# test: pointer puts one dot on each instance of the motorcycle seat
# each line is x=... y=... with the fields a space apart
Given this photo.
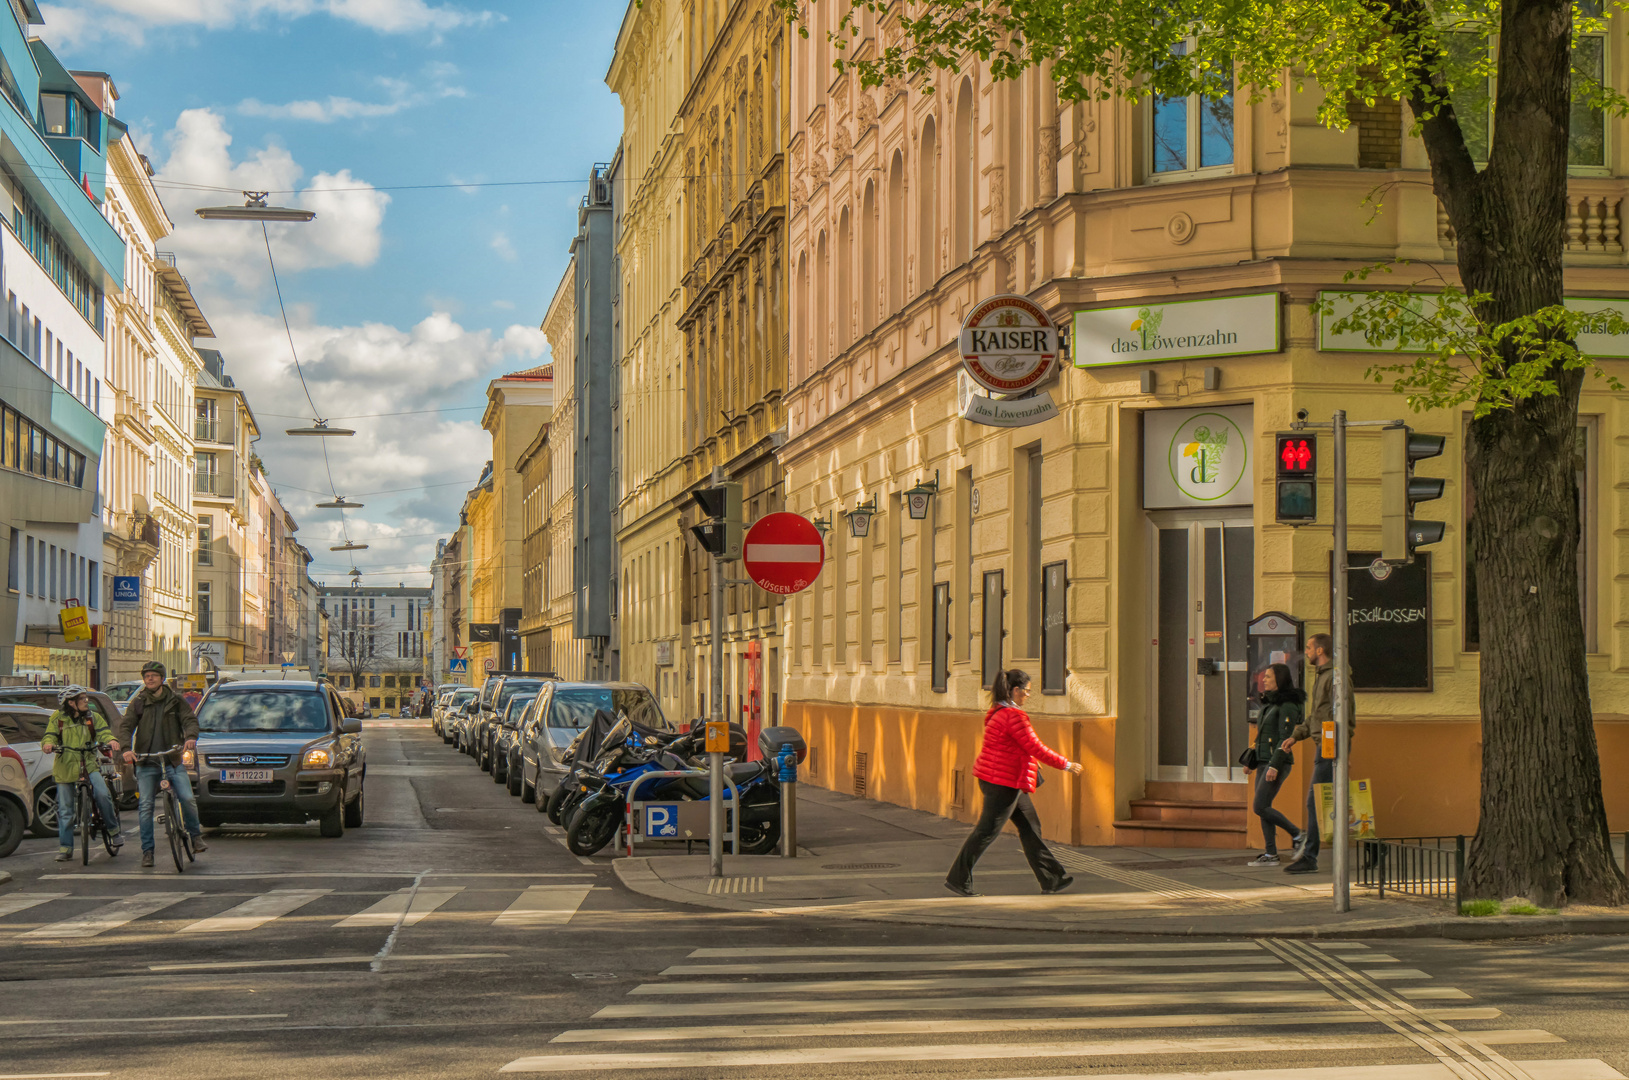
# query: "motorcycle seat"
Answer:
x=743 y=772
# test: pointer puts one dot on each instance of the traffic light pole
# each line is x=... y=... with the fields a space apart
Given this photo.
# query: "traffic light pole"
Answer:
x=1341 y=842
x=715 y=703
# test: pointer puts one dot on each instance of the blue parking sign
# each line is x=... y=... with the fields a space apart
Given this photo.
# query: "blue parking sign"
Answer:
x=662 y=820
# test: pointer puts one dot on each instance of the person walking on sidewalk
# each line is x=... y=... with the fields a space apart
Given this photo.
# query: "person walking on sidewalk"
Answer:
x=1320 y=651
x=1007 y=776
x=1280 y=712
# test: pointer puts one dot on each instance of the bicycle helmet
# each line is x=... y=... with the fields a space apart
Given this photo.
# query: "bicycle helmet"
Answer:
x=154 y=665
x=69 y=692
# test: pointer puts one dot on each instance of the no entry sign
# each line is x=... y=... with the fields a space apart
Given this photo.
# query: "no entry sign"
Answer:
x=783 y=553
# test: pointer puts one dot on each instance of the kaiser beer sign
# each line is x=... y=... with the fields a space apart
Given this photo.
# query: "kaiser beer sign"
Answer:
x=1009 y=347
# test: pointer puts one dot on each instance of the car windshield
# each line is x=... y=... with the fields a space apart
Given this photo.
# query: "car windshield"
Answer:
x=462 y=698
x=22 y=727
x=517 y=708
x=123 y=691
x=263 y=710
x=510 y=689
x=574 y=707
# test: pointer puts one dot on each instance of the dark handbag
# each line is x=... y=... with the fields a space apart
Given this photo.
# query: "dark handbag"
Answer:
x=1249 y=758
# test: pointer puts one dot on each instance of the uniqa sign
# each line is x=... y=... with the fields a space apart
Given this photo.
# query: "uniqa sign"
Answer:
x=1009 y=347
x=1177 y=330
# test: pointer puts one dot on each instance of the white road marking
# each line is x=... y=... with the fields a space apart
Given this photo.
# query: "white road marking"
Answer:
x=396 y=907
x=47 y=1076
x=255 y=912
x=832 y=1055
x=957 y=982
x=1582 y=1069
x=982 y=1003
x=544 y=905
x=146 y=1019
x=1072 y=948
x=110 y=916
x=992 y=964
x=870 y=1028
x=1434 y=993
x=10 y=905
x=1395 y=973
x=401 y=920
x=222 y=964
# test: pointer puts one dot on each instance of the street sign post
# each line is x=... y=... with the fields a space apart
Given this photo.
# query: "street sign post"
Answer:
x=460 y=651
x=489 y=664
x=458 y=665
x=783 y=553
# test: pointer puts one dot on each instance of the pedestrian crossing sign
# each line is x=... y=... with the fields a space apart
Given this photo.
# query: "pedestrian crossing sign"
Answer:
x=458 y=665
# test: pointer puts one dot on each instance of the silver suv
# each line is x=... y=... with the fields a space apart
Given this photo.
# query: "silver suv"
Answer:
x=279 y=752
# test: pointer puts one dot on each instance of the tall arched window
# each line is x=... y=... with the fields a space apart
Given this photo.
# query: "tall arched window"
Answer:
x=845 y=280
x=868 y=258
x=963 y=165
x=803 y=342
x=896 y=233
x=927 y=209
x=822 y=287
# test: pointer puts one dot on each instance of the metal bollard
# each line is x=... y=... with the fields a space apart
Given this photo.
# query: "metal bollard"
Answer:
x=787 y=759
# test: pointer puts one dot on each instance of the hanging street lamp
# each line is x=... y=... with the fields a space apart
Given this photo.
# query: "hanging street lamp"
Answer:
x=338 y=503
x=254 y=208
x=350 y=545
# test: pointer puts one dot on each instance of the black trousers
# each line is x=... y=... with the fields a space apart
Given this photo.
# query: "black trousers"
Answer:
x=1266 y=792
x=1003 y=804
x=1323 y=772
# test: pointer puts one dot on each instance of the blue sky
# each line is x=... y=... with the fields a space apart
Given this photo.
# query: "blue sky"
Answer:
x=402 y=300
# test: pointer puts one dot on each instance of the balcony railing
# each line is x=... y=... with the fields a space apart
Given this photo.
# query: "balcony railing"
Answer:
x=208 y=484
x=205 y=430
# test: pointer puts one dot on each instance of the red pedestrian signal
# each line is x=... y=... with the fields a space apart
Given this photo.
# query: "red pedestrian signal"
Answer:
x=1296 y=489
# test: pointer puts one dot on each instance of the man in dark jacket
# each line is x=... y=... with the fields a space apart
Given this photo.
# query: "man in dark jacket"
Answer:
x=1320 y=708
x=156 y=719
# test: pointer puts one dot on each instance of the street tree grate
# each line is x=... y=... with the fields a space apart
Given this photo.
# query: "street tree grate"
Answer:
x=859 y=866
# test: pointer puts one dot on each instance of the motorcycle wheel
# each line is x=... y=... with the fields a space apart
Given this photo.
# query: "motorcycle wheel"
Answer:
x=556 y=800
x=759 y=839
x=588 y=833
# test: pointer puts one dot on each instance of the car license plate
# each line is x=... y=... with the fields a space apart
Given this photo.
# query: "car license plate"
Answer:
x=246 y=776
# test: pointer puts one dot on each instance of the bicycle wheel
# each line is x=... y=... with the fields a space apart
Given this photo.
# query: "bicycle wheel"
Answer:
x=82 y=813
x=172 y=828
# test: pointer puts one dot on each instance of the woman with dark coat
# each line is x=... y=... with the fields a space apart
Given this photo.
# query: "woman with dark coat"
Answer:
x=1280 y=713
x=1006 y=773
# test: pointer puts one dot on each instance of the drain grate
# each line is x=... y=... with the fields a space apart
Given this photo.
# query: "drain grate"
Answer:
x=859 y=866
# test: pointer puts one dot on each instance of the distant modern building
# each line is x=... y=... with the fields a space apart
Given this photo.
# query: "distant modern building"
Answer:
x=595 y=387
x=376 y=641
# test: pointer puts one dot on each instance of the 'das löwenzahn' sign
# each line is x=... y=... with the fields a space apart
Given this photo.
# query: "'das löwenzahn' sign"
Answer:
x=1009 y=347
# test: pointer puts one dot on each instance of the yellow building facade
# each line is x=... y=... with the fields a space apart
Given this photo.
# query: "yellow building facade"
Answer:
x=649 y=74
x=1181 y=250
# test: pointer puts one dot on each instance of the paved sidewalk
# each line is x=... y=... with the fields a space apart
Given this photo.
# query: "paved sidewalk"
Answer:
x=878 y=862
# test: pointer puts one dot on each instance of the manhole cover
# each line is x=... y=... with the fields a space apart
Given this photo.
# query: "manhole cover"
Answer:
x=859 y=866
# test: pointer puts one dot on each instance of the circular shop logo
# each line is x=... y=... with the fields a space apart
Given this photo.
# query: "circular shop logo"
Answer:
x=1008 y=344
x=1207 y=457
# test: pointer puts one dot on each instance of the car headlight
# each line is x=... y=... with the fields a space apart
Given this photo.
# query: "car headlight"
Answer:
x=188 y=759
x=318 y=757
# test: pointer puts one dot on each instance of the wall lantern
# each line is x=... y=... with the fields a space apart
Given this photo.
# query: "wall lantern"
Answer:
x=916 y=498
x=822 y=524
x=859 y=518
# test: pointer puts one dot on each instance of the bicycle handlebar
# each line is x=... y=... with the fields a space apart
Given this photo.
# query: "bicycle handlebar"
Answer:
x=161 y=753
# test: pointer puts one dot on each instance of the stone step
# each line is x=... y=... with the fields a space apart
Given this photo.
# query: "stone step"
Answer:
x=1180 y=834
x=1193 y=813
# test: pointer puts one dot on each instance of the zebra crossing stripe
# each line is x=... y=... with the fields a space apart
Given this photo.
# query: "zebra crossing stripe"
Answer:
x=10 y=905
x=110 y=916
x=981 y=1003
x=810 y=967
x=839 y=986
x=395 y=908
x=1071 y=948
x=832 y=1055
x=543 y=905
x=255 y=912
x=1582 y=1069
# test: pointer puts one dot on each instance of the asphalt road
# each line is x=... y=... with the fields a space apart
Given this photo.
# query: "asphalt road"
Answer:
x=454 y=936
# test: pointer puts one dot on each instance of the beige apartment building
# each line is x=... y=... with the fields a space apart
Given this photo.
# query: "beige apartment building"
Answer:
x=518 y=408
x=567 y=654
x=224 y=629
x=651 y=75
x=1120 y=549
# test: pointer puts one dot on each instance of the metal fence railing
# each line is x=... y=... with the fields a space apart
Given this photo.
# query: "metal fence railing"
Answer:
x=1431 y=866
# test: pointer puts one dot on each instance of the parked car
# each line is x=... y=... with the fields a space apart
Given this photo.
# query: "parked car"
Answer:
x=121 y=692
x=15 y=799
x=484 y=727
x=23 y=726
x=507 y=738
x=45 y=795
x=454 y=714
x=439 y=699
x=561 y=713
x=279 y=752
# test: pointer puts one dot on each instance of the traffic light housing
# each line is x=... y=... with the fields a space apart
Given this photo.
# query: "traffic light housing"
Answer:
x=720 y=533
x=1400 y=489
x=1295 y=499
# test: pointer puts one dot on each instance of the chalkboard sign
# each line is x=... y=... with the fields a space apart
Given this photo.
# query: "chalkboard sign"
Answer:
x=1389 y=624
x=1054 y=627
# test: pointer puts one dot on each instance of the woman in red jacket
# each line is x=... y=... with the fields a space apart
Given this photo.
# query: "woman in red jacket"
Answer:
x=1006 y=773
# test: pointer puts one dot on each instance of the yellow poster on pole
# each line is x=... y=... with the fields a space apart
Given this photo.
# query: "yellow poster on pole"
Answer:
x=1359 y=810
x=75 y=624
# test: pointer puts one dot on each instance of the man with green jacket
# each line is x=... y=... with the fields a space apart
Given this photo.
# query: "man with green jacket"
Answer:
x=156 y=719
x=1321 y=708
x=73 y=733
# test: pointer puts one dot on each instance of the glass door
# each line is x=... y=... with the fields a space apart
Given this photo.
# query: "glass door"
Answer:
x=1203 y=597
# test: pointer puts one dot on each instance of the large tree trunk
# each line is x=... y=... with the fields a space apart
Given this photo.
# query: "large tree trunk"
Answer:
x=1543 y=830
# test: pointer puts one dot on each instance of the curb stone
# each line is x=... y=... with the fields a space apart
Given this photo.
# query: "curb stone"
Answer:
x=639 y=877
x=5 y=878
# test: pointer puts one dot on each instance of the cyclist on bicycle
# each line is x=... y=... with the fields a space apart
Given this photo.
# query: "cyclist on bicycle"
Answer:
x=75 y=726
x=155 y=719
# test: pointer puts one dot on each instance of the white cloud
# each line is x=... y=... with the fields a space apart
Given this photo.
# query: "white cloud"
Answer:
x=504 y=249
x=350 y=212
x=126 y=21
x=400 y=94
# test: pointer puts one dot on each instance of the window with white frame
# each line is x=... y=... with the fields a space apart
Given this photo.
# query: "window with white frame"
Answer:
x=1190 y=136
x=1473 y=52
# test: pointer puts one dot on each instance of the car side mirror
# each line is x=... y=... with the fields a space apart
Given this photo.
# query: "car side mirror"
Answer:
x=350 y=726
